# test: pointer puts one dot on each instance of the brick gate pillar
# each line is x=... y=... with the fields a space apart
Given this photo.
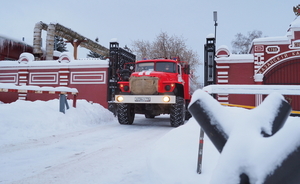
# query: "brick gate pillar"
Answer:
x=258 y=79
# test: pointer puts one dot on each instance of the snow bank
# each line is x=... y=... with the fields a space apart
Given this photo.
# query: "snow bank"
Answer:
x=246 y=150
x=174 y=157
x=22 y=120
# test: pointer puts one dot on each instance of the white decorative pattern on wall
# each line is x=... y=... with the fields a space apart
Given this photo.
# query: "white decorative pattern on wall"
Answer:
x=9 y=78
x=97 y=77
x=43 y=78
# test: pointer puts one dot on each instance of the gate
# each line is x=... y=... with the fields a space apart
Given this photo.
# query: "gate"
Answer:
x=287 y=73
x=119 y=59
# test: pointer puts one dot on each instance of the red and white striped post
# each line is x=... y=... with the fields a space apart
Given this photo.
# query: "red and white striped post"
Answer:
x=200 y=151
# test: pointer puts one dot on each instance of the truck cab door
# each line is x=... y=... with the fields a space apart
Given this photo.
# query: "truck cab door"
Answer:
x=179 y=74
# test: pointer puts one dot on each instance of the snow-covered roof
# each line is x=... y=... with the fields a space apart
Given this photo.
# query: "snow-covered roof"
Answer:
x=4 y=38
x=295 y=23
x=9 y=38
x=223 y=47
x=272 y=40
x=286 y=39
x=114 y=40
x=211 y=35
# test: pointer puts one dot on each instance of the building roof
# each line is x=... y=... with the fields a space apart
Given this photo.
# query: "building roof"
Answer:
x=295 y=23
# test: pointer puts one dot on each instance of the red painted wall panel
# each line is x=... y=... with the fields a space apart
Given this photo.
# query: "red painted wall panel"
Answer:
x=91 y=83
x=241 y=73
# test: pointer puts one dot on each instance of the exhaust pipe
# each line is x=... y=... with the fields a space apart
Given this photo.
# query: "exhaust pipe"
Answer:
x=50 y=41
x=37 y=41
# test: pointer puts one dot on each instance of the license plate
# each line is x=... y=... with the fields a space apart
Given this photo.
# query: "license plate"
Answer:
x=142 y=99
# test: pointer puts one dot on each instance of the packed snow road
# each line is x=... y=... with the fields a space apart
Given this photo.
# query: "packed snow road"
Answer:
x=107 y=153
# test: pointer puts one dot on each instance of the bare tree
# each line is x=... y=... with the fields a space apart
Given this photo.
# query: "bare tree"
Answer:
x=165 y=46
x=241 y=44
x=142 y=49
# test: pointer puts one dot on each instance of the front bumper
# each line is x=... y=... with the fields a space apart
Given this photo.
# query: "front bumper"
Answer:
x=146 y=99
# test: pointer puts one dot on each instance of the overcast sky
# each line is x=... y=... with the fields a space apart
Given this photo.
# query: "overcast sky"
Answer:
x=132 y=20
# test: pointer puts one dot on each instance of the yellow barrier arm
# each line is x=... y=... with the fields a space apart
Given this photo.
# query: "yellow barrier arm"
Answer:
x=251 y=107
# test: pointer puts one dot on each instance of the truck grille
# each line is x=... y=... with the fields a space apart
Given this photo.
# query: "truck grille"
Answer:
x=144 y=85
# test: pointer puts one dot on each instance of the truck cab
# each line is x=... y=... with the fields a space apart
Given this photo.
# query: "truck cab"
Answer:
x=159 y=86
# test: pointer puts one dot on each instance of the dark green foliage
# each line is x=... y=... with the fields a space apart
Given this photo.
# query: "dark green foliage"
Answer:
x=59 y=44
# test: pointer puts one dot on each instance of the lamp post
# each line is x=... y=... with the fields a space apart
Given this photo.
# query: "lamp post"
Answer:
x=216 y=24
x=209 y=78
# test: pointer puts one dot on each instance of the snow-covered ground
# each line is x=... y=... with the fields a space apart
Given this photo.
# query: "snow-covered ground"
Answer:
x=38 y=144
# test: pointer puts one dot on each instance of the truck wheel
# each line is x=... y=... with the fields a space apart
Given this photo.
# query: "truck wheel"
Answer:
x=177 y=112
x=125 y=114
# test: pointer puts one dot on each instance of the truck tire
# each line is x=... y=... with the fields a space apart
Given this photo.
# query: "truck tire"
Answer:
x=125 y=114
x=177 y=112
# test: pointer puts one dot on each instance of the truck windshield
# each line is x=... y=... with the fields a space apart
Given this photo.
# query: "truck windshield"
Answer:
x=166 y=67
x=149 y=66
x=159 y=66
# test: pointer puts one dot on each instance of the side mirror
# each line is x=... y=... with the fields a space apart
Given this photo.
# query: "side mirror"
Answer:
x=187 y=69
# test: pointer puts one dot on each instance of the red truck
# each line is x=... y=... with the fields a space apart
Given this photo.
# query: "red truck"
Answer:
x=158 y=86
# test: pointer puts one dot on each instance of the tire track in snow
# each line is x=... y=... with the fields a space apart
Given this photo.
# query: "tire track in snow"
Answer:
x=106 y=152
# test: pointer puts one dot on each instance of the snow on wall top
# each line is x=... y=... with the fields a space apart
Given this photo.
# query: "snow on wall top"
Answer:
x=253 y=89
x=65 y=60
x=38 y=88
x=236 y=58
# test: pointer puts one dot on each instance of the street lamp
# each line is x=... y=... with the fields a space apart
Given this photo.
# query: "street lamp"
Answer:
x=216 y=24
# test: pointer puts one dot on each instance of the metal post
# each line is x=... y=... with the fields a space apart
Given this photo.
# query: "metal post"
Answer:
x=74 y=100
x=215 y=45
x=62 y=103
x=66 y=102
x=200 y=151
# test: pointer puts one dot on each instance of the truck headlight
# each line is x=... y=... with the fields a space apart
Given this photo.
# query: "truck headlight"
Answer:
x=119 y=98
x=166 y=99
